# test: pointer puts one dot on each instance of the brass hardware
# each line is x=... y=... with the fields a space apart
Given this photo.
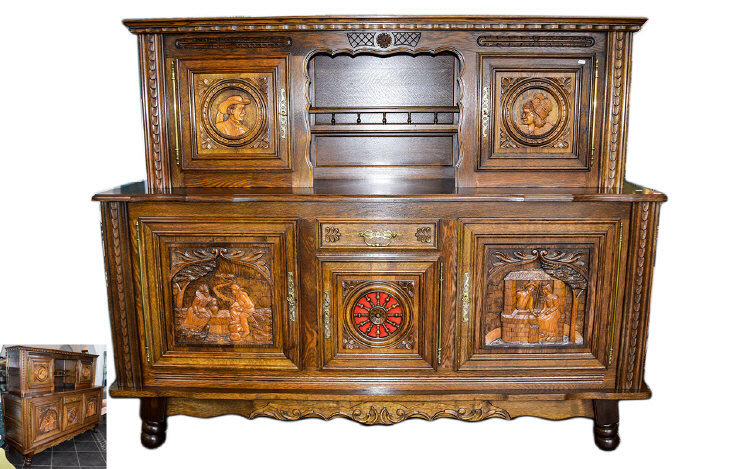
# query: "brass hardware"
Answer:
x=440 y=317
x=593 y=114
x=485 y=110
x=290 y=299
x=283 y=120
x=144 y=305
x=386 y=237
x=614 y=299
x=176 y=116
x=327 y=314
x=465 y=300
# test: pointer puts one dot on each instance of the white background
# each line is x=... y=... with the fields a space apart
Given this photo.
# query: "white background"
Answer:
x=71 y=126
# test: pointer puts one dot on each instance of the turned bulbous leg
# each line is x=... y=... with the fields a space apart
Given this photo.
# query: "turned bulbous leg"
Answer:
x=154 y=417
x=27 y=461
x=606 y=421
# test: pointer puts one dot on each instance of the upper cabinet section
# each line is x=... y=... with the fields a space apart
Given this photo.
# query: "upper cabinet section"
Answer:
x=480 y=101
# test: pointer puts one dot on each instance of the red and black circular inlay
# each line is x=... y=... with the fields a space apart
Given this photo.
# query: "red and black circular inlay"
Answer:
x=377 y=315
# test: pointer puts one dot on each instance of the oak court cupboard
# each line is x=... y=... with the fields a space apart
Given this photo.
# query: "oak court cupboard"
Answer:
x=382 y=218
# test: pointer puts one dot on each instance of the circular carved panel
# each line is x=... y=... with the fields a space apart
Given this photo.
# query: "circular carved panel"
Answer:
x=384 y=40
x=378 y=315
x=535 y=111
x=41 y=373
x=233 y=112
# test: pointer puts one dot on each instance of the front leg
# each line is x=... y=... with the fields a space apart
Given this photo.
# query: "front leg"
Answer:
x=606 y=421
x=154 y=417
x=27 y=461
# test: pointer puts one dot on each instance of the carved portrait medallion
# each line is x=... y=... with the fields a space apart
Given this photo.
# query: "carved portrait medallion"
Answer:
x=41 y=373
x=72 y=416
x=535 y=111
x=378 y=314
x=233 y=111
x=222 y=295
x=86 y=372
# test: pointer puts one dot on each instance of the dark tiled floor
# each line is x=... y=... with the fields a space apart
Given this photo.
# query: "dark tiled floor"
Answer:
x=87 y=450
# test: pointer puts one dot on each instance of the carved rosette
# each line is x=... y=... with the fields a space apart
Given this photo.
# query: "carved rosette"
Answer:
x=332 y=234
x=424 y=234
x=222 y=295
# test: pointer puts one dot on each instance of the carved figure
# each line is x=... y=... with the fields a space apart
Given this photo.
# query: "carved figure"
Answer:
x=525 y=298
x=241 y=311
x=234 y=109
x=199 y=313
x=48 y=421
x=535 y=114
x=549 y=316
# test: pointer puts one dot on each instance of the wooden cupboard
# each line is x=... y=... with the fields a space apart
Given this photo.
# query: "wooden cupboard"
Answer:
x=433 y=207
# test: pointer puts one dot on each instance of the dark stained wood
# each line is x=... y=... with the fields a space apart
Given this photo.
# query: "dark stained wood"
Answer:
x=50 y=399
x=382 y=218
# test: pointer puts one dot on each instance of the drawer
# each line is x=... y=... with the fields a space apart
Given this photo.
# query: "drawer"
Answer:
x=378 y=234
x=68 y=399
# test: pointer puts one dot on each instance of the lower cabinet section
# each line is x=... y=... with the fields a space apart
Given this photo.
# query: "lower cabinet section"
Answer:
x=37 y=422
x=326 y=302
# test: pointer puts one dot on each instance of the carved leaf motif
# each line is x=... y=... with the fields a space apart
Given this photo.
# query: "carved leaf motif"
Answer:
x=407 y=286
x=347 y=285
x=567 y=267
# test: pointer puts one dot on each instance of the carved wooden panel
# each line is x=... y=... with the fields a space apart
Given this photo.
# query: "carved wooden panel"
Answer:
x=222 y=300
x=85 y=373
x=91 y=408
x=379 y=312
x=232 y=114
x=39 y=372
x=73 y=413
x=539 y=293
x=536 y=112
x=46 y=418
x=222 y=295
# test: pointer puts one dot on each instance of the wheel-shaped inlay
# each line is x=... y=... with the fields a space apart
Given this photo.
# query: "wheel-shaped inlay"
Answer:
x=378 y=314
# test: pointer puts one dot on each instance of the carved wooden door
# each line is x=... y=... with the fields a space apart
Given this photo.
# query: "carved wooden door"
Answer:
x=72 y=412
x=39 y=372
x=85 y=373
x=46 y=418
x=379 y=313
x=539 y=295
x=218 y=296
x=227 y=113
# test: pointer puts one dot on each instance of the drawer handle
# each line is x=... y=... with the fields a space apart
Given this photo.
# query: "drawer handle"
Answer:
x=465 y=297
x=378 y=238
x=327 y=314
x=291 y=299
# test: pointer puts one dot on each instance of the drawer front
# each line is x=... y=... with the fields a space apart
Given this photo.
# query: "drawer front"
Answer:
x=537 y=294
x=220 y=296
x=92 y=407
x=46 y=418
x=378 y=313
x=40 y=372
x=375 y=234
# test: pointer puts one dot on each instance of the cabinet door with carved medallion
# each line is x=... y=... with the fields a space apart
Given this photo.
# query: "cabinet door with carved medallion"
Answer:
x=538 y=295
x=85 y=373
x=40 y=372
x=72 y=412
x=46 y=418
x=91 y=407
x=538 y=111
x=217 y=296
x=379 y=313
